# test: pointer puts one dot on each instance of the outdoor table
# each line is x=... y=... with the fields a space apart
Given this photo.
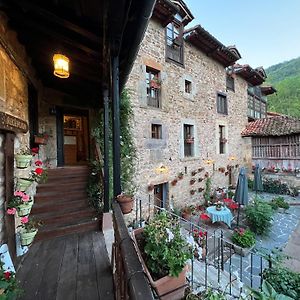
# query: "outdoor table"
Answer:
x=223 y=215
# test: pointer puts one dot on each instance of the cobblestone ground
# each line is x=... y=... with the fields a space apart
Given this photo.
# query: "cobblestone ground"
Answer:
x=283 y=225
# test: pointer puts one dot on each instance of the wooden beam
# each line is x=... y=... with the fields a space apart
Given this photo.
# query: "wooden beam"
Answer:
x=45 y=14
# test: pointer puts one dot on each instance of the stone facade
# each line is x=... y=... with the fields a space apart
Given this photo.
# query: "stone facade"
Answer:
x=197 y=108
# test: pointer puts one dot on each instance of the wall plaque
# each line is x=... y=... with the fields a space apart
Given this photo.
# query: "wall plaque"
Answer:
x=11 y=123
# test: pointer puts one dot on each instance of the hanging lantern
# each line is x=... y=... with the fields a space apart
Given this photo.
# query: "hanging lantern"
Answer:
x=61 y=66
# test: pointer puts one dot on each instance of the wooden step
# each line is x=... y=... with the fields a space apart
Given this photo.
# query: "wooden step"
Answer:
x=67 y=206
x=73 y=171
x=66 y=186
x=60 y=196
x=82 y=226
x=65 y=218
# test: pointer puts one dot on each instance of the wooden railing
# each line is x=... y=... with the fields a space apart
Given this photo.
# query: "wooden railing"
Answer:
x=282 y=151
x=130 y=281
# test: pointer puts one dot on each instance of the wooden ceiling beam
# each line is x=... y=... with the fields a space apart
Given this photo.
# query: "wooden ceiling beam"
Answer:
x=49 y=16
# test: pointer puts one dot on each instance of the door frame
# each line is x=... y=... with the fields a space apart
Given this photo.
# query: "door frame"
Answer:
x=60 y=112
x=165 y=193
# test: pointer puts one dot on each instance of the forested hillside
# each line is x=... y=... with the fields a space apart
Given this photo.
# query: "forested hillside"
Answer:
x=285 y=77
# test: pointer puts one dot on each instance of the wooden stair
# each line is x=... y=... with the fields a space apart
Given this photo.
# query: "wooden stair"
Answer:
x=61 y=204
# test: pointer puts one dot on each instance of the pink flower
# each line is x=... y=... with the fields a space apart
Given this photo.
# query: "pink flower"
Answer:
x=38 y=163
x=11 y=211
x=25 y=198
x=18 y=193
x=24 y=220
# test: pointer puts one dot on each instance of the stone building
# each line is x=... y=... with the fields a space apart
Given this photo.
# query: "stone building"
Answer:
x=190 y=104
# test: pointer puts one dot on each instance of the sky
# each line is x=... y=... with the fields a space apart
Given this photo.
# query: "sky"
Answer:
x=266 y=32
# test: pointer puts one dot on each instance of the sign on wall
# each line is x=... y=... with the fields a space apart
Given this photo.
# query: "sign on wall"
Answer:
x=11 y=123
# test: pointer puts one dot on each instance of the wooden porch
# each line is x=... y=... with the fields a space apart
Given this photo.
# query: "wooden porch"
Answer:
x=70 y=267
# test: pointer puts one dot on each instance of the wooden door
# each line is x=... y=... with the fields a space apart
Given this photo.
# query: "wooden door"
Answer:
x=158 y=195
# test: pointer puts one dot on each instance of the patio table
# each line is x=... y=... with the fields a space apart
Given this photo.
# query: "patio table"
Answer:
x=223 y=215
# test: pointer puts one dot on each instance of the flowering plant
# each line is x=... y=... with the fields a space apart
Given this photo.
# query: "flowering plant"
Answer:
x=39 y=175
x=30 y=225
x=24 y=151
x=200 y=237
x=9 y=286
x=219 y=204
x=243 y=237
x=17 y=199
x=165 y=249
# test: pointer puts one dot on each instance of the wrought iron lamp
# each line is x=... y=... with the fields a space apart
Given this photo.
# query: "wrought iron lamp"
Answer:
x=61 y=66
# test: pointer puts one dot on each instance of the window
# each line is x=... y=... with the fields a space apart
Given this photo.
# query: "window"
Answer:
x=229 y=83
x=222 y=139
x=153 y=87
x=174 y=42
x=187 y=86
x=256 y=103
x=156 y=132
x=222 y=104
x=188 y=135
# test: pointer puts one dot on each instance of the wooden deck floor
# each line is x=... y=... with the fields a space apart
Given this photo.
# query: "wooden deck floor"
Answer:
x=70 y=267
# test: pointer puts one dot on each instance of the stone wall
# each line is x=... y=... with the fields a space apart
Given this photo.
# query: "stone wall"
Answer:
x=2 y=191
x=198 y=108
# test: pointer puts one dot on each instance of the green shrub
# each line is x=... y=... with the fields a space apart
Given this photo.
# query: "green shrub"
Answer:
x=259 y=216
x=250 y=184
x=275 y=186
x=284 y=281
x=279 y=202
x=243 y=238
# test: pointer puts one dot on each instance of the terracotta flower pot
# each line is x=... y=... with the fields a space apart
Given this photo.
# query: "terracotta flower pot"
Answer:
x=126 y=203
x=40 y=140
x=23 y=161
x=165 y=285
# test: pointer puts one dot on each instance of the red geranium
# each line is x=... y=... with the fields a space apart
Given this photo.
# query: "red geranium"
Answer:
x=7 y=275
x=39 y=171
x=35 y=150
x=38 y=163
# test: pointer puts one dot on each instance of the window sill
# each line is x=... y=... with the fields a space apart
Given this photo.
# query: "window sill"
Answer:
x=190 y=158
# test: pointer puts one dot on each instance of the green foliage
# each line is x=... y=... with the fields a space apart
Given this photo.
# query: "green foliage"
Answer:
x=230 y=194
x=128 y=151
x=210 y=294
x=285 y=77
x=279 y=202
x=207 y=191
x=275 y=186
x=94 y=186
x=268 y=293
x=243 y=238
x=250 y=184
x=9 y=286
x=166 y=250
x=259 y=216
x=284 y=281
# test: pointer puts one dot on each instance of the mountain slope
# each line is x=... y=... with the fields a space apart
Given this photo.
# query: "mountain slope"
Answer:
x=285 y=77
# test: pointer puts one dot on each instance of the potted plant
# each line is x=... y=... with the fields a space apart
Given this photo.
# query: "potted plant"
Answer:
x=24 y=183
x=126 y=203
x=222 y=169
x=21 y=203
x=150 y=187
x=39 y=174
x=194 y=173
x=219 y=205
x=278 y=203
x=174 y=181
x=244 y=241
x=41 y=138
x=155 y=83
x=186 y=212
x=180 y=175
x=200 y=169
x=192 y=181
x=200 y=238
x=200 y=190
x=192 y=192
x=10 y=288
x=23 y=158
x=28 y=231
x=164 y=253
x=189 y=139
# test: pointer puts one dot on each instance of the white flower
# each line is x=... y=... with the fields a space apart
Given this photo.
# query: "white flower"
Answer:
x=190 y=240
x=170 y=235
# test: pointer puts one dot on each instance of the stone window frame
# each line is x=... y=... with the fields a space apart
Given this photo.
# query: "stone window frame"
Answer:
x=155 y=101
x=2 y=80
x=190 y=96
x=182 y=138
x=220 y=123
x=222 y=108
x=156 y=131
x=188 y=86
x=230 y=83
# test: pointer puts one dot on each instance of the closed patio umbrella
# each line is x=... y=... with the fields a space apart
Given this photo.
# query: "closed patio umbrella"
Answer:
x=257 y=185
x=241 y=193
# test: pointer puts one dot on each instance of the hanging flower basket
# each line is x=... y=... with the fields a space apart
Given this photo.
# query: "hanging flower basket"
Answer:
x=23 y=161
x=24 y=209
x=23 y=184
x=126 y=203
x=27 y=237
x=155 y=84
x=189 y=141
x=150 y=187
x=174 y=182
x=40 y=140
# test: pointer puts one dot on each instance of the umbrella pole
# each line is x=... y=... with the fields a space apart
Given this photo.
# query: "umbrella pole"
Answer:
x=238 y=216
